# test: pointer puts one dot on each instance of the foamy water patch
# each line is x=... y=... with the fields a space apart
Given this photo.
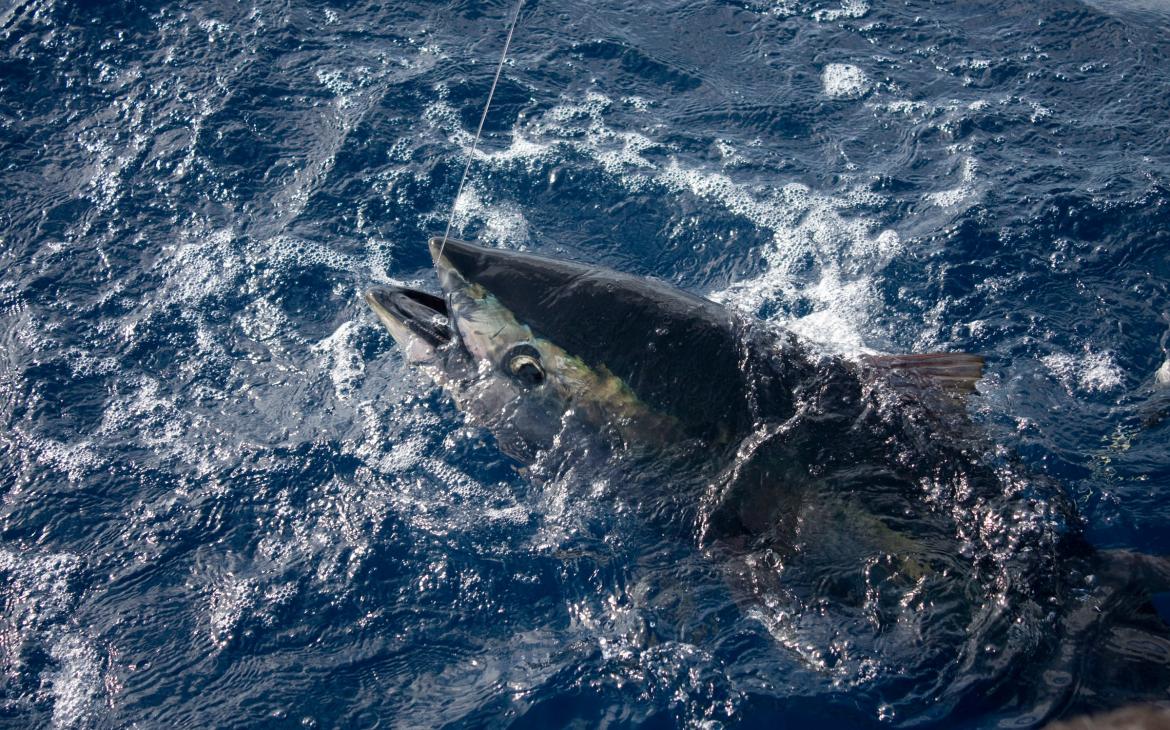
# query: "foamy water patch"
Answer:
x=617 y=151
x=341 y=358
x=1089 y=372
x=503 y=224
x=76 y=460
x=38 y=585
x=845 y=81
x=227 y=608
x=573 y=125
x=39 y=597
x=76 y=684
x=404 y=450
x=442 y=116
x=293 y=253
x=842 y=309
x=112 y=157
x=817 y=259
x=146 y=411
x=33 y=455
x=965 y=191
x=848 y=9
x=204 y=265
x=820 y=260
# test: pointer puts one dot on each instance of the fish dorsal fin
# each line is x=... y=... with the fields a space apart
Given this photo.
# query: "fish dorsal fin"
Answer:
x=955 y=373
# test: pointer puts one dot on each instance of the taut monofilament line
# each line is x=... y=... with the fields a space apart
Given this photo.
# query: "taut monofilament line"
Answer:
x=482 y=118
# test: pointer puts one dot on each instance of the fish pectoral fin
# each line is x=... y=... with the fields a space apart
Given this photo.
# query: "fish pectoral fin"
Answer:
x=955 y=373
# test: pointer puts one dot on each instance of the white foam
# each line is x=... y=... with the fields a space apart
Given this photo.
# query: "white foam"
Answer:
x=1090 y=372
x=76 y=683
x=84 y=364
x=441 y=115
x=619 y=152
x=248 y=594
x=842 y=306
x=39 y=602
x=727 y=152
x=904 y=106
x=578 y=125
x=203 y=265
x=75 y=459
x=778 y=8
x=964 y=191
x=845 y=81
x=342 y=361
x=817 y=254
x=403 y=455
x=39 y=584
x=638 y=103
x=976 y=64
x=212 y=355
x=337 y=82
x=149 y=414
x=848 y=9
x=503 y=224
x=112 y=155
x=227 y=608
x=1039 y=112
x=215 y=29
x=264 y=322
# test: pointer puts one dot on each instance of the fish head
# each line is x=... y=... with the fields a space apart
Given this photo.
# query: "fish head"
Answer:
x=625 y=354
x=415 y=319
x=530 y=346
x=523 y=421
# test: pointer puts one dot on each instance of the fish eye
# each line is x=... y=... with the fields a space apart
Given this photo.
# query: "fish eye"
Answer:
x=523 y=363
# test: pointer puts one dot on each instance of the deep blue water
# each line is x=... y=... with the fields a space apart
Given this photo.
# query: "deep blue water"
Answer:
x=225 y=500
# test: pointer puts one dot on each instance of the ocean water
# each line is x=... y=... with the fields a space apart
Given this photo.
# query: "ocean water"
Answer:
x=227 y=501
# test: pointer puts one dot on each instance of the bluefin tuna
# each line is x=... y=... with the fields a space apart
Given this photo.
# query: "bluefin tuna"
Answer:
x=812 y=479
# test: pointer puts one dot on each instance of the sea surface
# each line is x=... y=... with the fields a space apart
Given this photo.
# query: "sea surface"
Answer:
x=227 y=501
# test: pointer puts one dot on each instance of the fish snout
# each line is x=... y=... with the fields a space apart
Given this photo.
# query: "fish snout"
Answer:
x=417 y=320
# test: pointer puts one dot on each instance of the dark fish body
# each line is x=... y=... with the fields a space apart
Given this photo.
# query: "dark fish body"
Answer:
x=631 y=326
x=859 y=486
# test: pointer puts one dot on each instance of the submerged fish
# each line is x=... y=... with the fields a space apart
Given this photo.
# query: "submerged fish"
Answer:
x=811 y=479
x=627 y=354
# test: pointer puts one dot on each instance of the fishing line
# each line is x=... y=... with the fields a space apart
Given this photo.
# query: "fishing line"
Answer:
x=479 y=130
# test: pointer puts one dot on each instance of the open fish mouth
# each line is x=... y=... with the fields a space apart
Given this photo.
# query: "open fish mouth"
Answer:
x=417 y=320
